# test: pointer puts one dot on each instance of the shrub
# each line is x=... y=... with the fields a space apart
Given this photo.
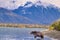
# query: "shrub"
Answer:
x=56 y=26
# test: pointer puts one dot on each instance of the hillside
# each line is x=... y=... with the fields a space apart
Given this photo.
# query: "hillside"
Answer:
x=7 y=16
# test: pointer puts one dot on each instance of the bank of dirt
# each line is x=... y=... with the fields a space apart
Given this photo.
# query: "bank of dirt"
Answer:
x=53 y=34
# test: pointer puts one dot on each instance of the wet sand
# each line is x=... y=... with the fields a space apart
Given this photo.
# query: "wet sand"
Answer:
x=53 y=34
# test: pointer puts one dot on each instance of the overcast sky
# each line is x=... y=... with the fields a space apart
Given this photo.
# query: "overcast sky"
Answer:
x=14 y=4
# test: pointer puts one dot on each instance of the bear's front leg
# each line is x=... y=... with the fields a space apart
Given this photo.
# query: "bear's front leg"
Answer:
x=35 y=36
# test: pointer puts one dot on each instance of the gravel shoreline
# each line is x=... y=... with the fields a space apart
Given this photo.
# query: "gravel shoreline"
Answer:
x=53 y=34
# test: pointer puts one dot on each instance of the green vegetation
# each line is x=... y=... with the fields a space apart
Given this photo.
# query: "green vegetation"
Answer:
x=55 y=26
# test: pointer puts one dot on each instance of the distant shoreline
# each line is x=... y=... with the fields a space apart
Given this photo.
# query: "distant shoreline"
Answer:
x=24 y=25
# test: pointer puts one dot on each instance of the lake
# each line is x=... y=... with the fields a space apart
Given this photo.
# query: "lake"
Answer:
x=19 y=33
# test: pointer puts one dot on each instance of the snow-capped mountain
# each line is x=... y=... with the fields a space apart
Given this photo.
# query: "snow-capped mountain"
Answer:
x=30 y=13
x=39 y=14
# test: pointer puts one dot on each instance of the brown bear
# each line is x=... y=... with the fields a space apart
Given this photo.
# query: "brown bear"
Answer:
x=37 y=34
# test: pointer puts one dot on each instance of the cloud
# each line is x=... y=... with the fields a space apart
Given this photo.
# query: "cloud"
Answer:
x=56 y=3
x=14 y=4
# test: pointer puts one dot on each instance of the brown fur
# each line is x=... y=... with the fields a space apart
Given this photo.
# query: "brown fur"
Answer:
x=37 y=34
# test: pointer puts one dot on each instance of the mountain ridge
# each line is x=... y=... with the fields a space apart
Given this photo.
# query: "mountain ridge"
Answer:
x=34 y=14
x=7 y=16
x=39 y=14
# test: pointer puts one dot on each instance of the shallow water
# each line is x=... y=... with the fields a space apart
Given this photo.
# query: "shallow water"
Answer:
x=19 y=34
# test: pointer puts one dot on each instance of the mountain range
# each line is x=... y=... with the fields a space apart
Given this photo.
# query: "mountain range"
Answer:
x=30 y=15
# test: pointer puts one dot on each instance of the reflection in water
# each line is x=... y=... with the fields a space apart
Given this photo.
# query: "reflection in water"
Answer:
x=19 y=34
